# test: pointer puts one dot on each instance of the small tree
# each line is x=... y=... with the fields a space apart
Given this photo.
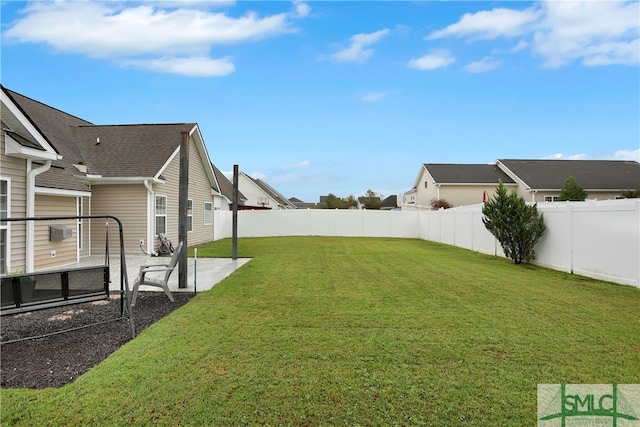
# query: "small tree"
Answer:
x=516 y=225
x=440 y=204
x=371 y=200
x=572 y=191
x=631 y=194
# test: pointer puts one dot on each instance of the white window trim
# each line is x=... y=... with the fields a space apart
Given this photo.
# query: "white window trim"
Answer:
x=190 y=215
x=7 y=226
x=210 y=213
x=155 y=213
x=551 y=198
x=79 y=231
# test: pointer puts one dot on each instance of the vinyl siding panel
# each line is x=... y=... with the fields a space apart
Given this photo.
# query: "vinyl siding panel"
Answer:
x=199 y=193
x=169 y=189
x=128 y=203
x=15 y=170
x=65 y=250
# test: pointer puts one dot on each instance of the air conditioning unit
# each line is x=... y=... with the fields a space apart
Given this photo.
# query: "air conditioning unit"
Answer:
x=59 y=232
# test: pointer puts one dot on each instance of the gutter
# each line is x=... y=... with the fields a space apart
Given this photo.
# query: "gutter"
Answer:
x=31 y=210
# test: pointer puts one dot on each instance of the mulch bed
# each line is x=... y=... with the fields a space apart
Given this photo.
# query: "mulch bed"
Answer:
x=59 y=359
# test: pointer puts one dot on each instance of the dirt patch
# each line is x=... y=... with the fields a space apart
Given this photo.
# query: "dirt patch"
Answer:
x=59 y=359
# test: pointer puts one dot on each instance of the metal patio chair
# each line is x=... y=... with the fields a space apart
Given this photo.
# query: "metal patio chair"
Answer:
x=167 y=269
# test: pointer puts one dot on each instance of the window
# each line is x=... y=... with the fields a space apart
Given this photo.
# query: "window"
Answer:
x=208 y=214
x=161 y=214
x=551 y=198
x=4 y=226
x=189 y=215
x=425 y=183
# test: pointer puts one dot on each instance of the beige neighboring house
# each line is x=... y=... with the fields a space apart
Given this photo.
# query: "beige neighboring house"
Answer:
x=56 y=164
x=261 y=195
x=458 y=184
x=535 y=180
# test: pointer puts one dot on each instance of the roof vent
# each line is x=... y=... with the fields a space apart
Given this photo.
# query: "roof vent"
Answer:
x=97 y=141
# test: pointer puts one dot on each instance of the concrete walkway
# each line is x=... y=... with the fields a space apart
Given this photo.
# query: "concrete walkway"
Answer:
x=210 y=271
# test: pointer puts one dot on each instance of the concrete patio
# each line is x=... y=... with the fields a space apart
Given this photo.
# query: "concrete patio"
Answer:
x=209 y=272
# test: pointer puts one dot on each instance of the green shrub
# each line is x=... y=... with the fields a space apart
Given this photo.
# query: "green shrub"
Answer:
x=516 y=225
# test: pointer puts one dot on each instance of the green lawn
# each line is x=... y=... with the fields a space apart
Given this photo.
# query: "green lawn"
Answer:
x=356 y=331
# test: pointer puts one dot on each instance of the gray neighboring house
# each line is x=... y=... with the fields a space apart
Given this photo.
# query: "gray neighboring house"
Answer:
x=535 y=180
x=542 y=180
x=299 y=204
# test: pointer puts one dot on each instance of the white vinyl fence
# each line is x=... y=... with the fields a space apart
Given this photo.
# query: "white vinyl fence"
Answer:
x=598 y=239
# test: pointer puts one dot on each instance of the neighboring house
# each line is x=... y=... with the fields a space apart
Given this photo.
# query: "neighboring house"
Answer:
x=535 y=180
x=390 y=203
x=260 y=194
x=128 y=171
x=458 y=184
x=224 y=199
x=299 y=204
x=542 y=180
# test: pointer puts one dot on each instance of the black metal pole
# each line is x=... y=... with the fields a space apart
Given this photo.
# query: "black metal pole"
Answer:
x=183 y=197
x=234 y=232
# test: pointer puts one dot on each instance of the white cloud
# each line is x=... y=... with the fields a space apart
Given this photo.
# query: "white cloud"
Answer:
x=300 y=165
x=626 y=155
x=432 y=61
x=595 y=33
x=560 y=156
x=617 y=155
x=485 y=64
x=302 y=9
x=191 y=66
x=375 y=96
x=487 y=25
x=127 y=32
x=357 y=51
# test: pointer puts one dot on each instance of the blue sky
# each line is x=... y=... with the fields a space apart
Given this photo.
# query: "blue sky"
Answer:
x=341 y=97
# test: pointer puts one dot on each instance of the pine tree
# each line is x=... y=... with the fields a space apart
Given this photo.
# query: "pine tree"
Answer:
x=516 y=225
x=572 y=191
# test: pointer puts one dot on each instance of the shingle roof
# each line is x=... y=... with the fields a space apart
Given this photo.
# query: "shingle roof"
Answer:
x=124 y=151
x=467 y=173
x=226 y=186
x=56 y=127
x=590 y=174
x=390 y=202
x=128 y=150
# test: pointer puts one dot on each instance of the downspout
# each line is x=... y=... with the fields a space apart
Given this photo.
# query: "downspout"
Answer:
x=150 y=206
x=31 y=210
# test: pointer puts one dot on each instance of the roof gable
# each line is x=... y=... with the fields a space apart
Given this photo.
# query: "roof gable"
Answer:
x=590 y=174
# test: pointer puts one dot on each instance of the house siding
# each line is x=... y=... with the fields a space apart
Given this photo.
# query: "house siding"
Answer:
x=425 y=195
x=15 y=170
x=199 y=193
x=128 y=203
x=170 y=189
x=65 y=250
